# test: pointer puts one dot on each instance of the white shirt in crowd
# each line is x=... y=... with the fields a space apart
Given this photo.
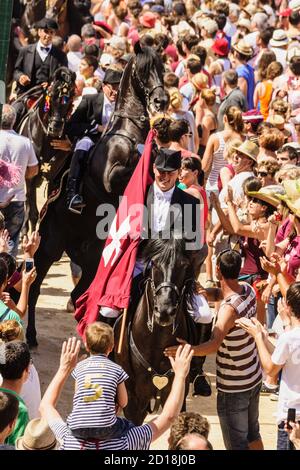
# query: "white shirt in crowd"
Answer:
x=18 y=150
x=43 y=51
x=74 y=59
x=108 y=108
x=287 y=353
x=162 y=202
x=31 y=393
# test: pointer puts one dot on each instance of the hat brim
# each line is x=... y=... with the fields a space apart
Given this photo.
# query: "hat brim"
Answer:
x=245 y=153
x=241 y=52
x=167 y=169
x=20 y=446
x=292 y=208
x=272 y=200
x=278 y=43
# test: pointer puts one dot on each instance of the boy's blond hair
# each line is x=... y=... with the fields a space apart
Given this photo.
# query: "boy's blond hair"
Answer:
x=99 y=338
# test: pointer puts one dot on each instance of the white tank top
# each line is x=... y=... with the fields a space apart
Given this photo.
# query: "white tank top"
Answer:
x=218 y=162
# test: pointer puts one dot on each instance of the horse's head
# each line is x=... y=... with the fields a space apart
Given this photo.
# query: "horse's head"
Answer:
x=170 y=277
x=54 y=8
x=59 y=99
x=148 y=79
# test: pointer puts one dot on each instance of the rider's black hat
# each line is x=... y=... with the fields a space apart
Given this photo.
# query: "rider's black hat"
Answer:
x=168 y=160
x=46 y=23
x=112 y=76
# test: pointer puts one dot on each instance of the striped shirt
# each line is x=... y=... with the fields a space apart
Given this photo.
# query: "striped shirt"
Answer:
x=218 y=162
x=137 y=438
x=94 y=402
x=238 y=367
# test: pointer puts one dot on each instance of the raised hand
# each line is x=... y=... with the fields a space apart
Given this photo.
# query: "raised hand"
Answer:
x=69 y=354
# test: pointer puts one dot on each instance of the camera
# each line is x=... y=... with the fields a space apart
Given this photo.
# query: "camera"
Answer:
x=29 y=264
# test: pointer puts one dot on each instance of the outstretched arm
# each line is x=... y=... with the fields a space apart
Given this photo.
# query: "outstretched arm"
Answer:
x=173 y=405
x=68 y=360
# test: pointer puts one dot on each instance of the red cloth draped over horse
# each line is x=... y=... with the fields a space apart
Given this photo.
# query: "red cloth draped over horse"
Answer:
x=112 y=283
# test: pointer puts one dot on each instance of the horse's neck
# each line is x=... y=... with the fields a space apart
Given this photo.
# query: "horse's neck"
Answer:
x=129 y=104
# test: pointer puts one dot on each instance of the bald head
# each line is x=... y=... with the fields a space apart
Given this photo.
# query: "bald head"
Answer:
x=194 y=442
x=74 y=43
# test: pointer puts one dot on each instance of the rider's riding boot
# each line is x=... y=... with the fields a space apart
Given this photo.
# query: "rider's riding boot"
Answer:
x=197 y=376
x=74 y=200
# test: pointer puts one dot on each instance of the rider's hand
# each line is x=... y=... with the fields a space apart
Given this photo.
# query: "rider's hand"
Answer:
x=62 y=144
x=44 y=85
x=24 y=80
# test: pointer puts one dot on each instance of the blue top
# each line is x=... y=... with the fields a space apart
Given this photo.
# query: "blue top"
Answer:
x=247 y=72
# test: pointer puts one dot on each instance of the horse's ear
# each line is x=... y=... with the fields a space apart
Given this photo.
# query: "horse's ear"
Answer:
x=137 y=48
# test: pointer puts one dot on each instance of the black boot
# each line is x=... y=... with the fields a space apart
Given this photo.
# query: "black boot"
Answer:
x=74 y=200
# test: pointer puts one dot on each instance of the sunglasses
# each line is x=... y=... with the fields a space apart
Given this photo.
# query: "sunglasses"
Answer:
x=263 y=174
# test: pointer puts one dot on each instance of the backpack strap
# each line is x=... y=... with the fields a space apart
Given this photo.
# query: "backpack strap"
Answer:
x=2 y=317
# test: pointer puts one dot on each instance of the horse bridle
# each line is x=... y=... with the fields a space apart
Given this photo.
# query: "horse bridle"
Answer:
x=155 y=290
x=144 y=89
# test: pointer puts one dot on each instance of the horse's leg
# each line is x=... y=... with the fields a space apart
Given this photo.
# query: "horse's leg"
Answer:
x=33 y=213
x=137 y=407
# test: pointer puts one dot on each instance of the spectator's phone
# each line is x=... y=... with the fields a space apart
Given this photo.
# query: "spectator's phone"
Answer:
x=291 y=416
x=29 y=263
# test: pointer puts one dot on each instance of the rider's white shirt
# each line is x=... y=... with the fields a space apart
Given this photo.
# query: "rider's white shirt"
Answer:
x=42 y=53
x=108 y=108
x=162 y=201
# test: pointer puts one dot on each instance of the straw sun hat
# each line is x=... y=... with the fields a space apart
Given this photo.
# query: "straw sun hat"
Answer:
x=243 y=48
x=37 y=436
x=248 y=148
x=268 y=194
x=292 y=195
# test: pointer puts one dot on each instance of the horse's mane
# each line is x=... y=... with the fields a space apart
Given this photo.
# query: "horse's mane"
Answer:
x=146 y=61
x=163 y=249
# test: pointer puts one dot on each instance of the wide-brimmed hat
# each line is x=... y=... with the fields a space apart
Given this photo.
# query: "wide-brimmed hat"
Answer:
x=253 y=115
x=279 y=38
x=37 y=436
x=117 y=43
x=294 y=5
x=268 y=194
x=168 y=160
x=221 y=47
x=243 y=48
x=243 y=22
x=104 y=25
x=112 y=76
x=248 y=148
x=278 y=121
x=291 y=196
x=46 y=23
x=148 y=19
x=211 y=26
x=250 y=9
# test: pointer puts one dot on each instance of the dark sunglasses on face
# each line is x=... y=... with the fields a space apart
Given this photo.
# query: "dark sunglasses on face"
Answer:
x=263 y=174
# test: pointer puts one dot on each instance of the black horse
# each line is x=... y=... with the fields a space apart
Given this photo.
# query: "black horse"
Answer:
x=160 y=317
x=110 y=166
x=44 y=122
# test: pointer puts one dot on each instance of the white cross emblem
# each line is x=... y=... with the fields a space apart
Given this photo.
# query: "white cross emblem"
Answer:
x=115 y=244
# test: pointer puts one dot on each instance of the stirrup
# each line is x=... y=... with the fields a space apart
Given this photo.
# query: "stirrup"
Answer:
x=78 y=210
